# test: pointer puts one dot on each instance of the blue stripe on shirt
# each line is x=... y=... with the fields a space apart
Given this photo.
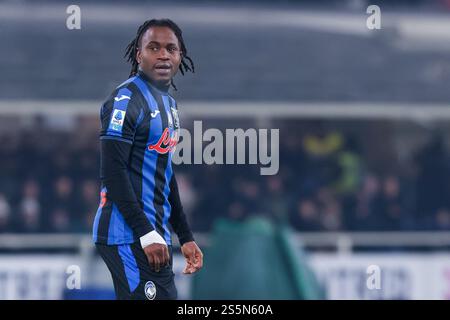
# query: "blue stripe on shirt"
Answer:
x=150 y=158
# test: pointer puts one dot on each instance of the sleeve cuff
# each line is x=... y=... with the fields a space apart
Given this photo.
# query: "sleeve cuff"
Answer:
x=143 y=227
x=150 y=238
x=187 y=238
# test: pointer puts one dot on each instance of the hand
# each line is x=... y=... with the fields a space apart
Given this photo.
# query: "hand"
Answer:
x=193 y=256
x=157 y=255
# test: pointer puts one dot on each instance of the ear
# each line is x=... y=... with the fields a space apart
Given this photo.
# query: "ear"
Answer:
x=138 y=56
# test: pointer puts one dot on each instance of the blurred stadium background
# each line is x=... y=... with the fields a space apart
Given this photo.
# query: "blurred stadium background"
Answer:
x=364 y=120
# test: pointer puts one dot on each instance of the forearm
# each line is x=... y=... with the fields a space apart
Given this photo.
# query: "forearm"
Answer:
x=178 y=218
x=114 y=175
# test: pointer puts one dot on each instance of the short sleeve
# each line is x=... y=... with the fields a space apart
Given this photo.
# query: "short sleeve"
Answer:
x=120 y=116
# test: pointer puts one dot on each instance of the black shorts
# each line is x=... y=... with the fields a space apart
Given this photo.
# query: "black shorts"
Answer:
x=132 y=275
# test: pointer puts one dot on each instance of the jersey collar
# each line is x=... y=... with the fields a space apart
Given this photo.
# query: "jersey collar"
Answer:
x=164 y=89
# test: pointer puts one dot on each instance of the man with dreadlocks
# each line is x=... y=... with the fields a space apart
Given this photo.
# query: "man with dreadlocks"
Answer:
x=139 y=192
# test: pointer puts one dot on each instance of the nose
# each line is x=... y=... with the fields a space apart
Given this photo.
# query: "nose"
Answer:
x=163 y=54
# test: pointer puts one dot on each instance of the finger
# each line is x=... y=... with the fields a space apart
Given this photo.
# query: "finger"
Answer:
x=188 y=260
x=189 y=271
x=199 y=263
x=198 y=259
x=166 y=255
x=156 y=263
x=150 y=260
x=193 y=269
x=187 y=268
x=192 y=258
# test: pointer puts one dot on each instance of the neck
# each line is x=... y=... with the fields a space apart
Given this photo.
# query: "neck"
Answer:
x=158 y=85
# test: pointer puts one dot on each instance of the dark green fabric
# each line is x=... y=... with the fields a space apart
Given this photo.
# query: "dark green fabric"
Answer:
x=253 y=260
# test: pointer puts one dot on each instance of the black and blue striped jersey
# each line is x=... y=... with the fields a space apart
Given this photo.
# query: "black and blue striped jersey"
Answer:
x=139 y=193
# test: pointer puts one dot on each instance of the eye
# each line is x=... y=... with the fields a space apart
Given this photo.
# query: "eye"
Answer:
x=153 y=48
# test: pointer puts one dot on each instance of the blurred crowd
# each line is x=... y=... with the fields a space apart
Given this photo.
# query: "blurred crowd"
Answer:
x=327 y=182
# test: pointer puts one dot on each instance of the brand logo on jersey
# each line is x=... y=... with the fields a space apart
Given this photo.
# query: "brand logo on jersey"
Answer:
x=176 y=120
x=150 y=290
x=154 y=113
x=122 y=97
x=169 y=120
x=166 y=142
x=117 y=120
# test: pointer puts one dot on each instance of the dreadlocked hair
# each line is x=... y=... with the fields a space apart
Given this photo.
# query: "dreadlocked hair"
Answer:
x=130 y=54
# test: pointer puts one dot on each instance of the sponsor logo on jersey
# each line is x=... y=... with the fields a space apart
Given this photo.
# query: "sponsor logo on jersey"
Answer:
x=166 y=142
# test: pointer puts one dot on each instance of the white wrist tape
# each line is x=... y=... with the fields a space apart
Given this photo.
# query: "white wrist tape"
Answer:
x=151 y=237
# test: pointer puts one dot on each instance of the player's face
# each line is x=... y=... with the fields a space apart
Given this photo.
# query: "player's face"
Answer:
x=159 y=55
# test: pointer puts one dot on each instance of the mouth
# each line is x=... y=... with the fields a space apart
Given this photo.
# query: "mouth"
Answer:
x=163 y=68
